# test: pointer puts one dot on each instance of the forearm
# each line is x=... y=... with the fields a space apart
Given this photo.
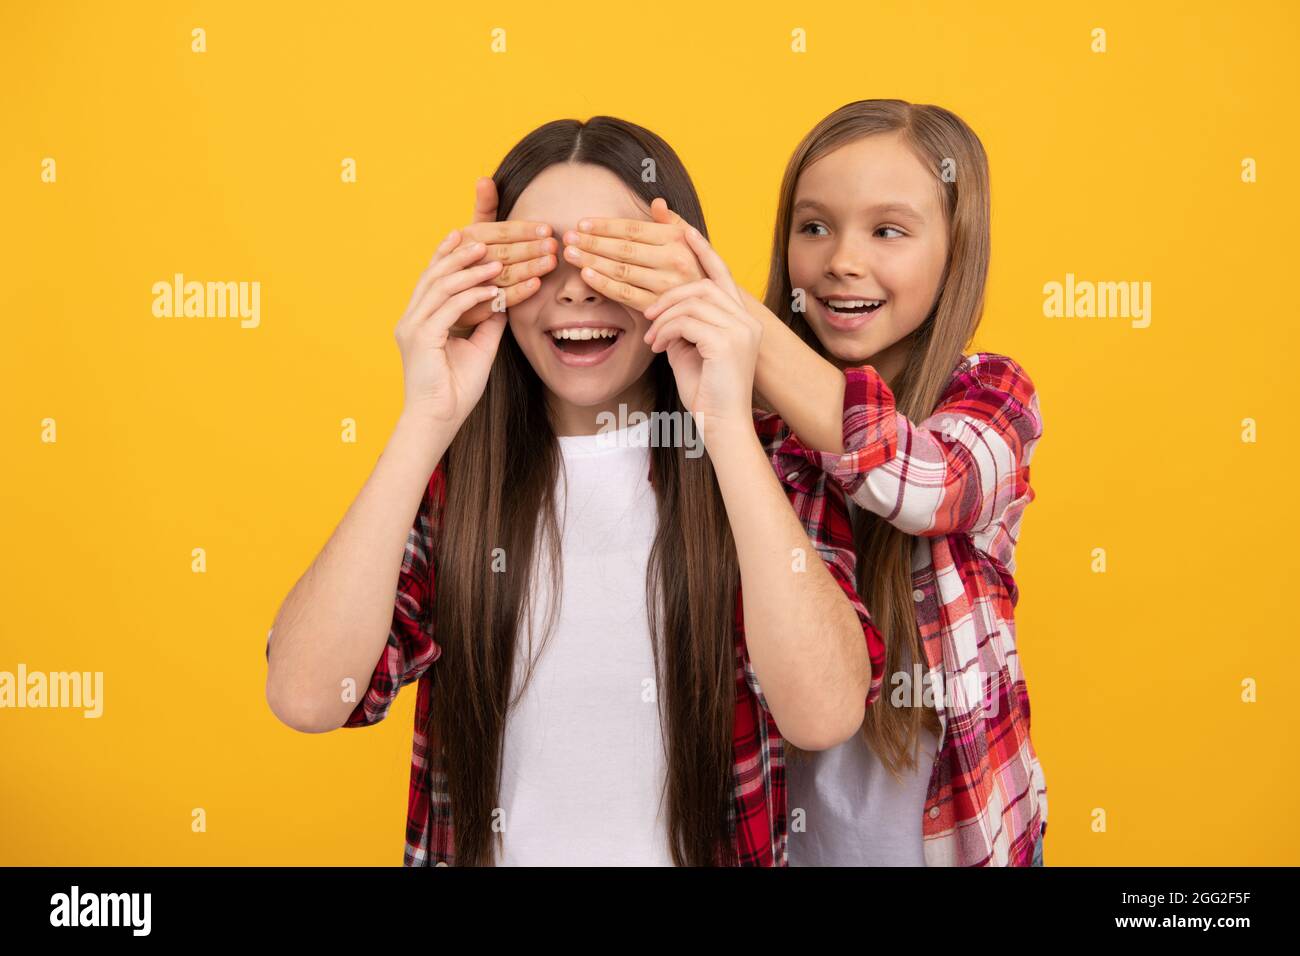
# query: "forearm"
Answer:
x=803 y=388
x=335 y=621
x=805 y=641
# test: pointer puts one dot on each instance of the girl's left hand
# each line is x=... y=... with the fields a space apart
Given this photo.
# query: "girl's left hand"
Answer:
x=631 y=261
x=711 y=341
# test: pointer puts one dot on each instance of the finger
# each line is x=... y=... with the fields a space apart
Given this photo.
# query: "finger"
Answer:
x=487 y=336
x=444 y=247
x=509 y=252
x=448 y=286
x=461 y=256
x=427 y=276
x=520 y=271
x=651 y=280
x=637 y=230
x=617 y=290
x=660 y=212
x=704 y=311
x=508 y=230
x=630 y=251
x=510 y=297
x=701 y=288
x=713 y=265
x=485 y=199
x=685 y=328
x=445 y=316
x=514 y=294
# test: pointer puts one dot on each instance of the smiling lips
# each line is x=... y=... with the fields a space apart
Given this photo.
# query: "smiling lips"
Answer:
x=848 y=314
x=584 y=346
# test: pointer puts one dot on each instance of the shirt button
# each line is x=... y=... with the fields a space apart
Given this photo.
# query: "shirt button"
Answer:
x=934 y=812
x=792 y=477
x=918 y=595
x=441 y=863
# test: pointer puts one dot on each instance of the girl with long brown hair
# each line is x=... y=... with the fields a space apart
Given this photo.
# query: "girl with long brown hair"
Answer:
x=879 y=262
x=607 y=624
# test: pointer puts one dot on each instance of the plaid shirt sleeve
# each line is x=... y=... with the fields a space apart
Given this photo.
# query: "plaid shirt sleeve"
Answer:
x=954 y=472
x=411 y=647
x=824 y=515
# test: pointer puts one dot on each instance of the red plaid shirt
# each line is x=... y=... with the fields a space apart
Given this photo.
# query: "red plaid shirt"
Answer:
x=959 y=482
x=757 y=815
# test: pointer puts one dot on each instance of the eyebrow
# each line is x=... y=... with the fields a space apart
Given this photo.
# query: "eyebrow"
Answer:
x=896 y=207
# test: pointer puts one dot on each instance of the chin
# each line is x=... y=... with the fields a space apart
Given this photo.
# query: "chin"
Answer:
x=585 y=390
x=847 y=348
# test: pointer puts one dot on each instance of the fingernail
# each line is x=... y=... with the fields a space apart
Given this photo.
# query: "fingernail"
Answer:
x=584 y=225
x=572 y=252
x=543 y=231
x=571 y=237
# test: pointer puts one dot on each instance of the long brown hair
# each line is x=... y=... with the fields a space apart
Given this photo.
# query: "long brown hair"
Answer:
x=501 y=471
x=952 y=151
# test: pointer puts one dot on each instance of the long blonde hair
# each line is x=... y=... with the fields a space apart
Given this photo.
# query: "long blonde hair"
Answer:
x=952 y=151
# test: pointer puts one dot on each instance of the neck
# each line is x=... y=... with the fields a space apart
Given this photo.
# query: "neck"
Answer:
x=570 y=419
x=889 y=362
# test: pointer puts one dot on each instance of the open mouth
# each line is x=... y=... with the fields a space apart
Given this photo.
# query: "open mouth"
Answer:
x=584 y=346
x=851 y=308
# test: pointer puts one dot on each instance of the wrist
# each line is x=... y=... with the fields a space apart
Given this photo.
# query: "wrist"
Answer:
x=726 y=435
x=424 y=435
x=767 y=366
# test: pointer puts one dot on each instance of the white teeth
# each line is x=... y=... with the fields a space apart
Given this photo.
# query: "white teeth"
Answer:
x=852 y=303
x=581 y=334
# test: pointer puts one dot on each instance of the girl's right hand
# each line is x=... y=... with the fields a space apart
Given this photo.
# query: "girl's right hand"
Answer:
x=445 y=374
x=526 y=249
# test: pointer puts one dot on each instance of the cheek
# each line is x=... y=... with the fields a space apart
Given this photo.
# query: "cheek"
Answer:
x=639 y=324
x=913 y=278
x=522 y=318
x=802 y=264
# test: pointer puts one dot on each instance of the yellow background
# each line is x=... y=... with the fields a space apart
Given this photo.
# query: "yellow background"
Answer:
x=183 y=433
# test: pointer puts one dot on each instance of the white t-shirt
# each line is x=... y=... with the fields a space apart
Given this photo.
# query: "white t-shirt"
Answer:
x=856 y=812
x=584 y=766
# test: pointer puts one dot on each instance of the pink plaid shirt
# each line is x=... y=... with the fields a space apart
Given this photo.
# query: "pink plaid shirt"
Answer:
x=959 y=482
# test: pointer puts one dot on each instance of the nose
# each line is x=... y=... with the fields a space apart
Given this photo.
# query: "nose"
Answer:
x=571 y=290
x=848 y=259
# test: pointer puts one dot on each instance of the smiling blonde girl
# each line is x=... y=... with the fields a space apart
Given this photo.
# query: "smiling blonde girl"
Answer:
x=876 y=287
